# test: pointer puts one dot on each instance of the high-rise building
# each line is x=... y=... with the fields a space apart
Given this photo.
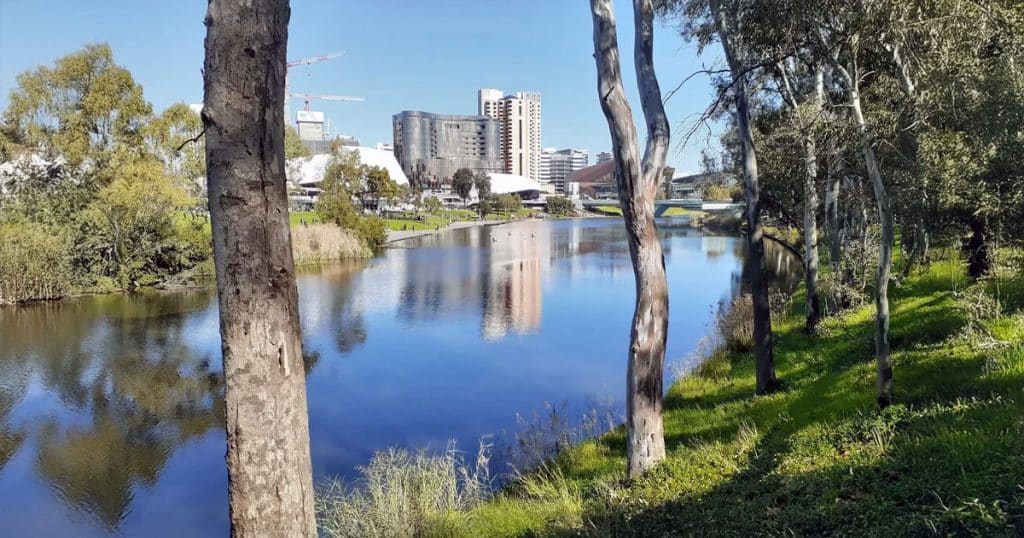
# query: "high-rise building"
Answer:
x=603 y=156
x=431 y=147
x=519 y=121
x=556 y=165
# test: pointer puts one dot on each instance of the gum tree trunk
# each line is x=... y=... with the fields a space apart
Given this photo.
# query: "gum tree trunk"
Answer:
x=835 y=238
x=638 y=186
x=811 y=212
x=764 y=356
x=270 y=484
x=886 y=387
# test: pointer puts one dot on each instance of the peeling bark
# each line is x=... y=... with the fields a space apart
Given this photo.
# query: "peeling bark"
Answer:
x=270 y=484
x=638 y=185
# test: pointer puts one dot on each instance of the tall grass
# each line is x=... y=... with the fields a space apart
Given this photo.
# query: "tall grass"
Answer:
x=314 y=244
x=402 y=493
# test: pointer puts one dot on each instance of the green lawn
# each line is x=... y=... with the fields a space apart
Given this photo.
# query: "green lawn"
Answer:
x=817 y=458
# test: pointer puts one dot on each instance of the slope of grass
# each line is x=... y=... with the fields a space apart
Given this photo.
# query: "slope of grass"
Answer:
x=817 y=458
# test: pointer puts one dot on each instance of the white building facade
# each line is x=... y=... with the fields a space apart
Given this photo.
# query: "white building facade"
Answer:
x=519 y=122
x=557 y=164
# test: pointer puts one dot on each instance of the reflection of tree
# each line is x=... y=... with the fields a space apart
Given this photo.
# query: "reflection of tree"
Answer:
x=347 y=321
x=146 y=393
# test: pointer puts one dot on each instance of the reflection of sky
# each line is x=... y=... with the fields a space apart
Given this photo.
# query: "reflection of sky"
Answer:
x=447 y=337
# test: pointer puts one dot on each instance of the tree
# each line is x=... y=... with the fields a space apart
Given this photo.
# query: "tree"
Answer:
x=380 y=185
x=270 y=485
x=807 y=114
x=293 y=146
x=82 y=109
x=505 y=203
x=345 y=181
x=560 y=205
x=128 y=232
x=432 y=204
x=462 y=183
x=482 y=182
x=175 y=137
x=847 y=70
x=637 y=182
x=726 y=25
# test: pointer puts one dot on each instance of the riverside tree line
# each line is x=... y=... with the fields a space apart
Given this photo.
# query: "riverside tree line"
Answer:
x=100 y=194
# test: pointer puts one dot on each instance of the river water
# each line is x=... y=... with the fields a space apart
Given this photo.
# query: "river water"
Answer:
x=111 y=406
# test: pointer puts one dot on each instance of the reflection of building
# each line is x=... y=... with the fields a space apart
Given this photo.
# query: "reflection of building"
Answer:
x=518 y=118
x=431 y=147
x=513 y=299
x=556 y=165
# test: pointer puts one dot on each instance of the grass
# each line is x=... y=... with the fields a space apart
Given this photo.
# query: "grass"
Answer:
x=817 y=458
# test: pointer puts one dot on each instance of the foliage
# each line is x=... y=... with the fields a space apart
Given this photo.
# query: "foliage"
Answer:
x=81 y=109
x=344 y=181
x=432 y=205
x=482 y=182
x=560 y=206
x=33 y=263
x=179 y=127
x=462 y=182
x=506 y=203
x=718 y=193
x=293 y=146
x=129 y=232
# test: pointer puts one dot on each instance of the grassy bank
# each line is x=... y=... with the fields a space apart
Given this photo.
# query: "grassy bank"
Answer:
x=817 y=458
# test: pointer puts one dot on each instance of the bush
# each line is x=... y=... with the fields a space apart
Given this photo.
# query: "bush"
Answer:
x=401 y=493
x=33 y=263
x=560 y=206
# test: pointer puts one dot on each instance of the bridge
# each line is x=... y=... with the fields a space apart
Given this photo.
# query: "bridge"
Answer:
x=660 y=206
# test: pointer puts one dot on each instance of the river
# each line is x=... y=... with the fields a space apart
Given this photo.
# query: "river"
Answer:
x=111 y=406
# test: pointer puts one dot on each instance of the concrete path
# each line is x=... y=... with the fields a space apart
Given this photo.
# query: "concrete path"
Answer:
x=401 y=235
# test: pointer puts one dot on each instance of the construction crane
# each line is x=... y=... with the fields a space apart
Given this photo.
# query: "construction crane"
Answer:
x=308 y=96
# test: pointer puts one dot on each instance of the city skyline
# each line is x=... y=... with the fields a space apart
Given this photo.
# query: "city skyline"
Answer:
x=400 y=56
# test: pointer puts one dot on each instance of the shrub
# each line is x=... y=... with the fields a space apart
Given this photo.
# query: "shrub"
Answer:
x=33 y=263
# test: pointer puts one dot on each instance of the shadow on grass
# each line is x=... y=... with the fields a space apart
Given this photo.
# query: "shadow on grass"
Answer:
x=822 y=460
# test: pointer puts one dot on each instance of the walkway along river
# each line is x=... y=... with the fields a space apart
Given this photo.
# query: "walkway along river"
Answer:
x=111 y=406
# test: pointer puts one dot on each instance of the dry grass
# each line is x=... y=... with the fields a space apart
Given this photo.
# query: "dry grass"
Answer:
x=321 y=243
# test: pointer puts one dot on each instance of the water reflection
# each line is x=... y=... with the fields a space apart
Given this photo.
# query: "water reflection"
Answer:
x=112 y=407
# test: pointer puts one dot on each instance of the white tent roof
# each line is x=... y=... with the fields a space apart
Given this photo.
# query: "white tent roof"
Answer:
x=310 y=170
x=506 y=183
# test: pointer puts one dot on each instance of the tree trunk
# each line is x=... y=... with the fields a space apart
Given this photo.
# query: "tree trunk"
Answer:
x=886 y=390
x=979 y=260
x=811 y=212
x=766 y=381
x=835 y=237
x=638 y=186
x=270 y=485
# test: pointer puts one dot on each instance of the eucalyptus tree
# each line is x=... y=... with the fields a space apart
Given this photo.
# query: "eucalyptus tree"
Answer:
x=270 y=484
x=637 y=179
x=81 y=109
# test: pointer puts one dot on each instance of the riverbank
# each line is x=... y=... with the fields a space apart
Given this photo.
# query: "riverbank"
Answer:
x=395 y=236
x=817 y=458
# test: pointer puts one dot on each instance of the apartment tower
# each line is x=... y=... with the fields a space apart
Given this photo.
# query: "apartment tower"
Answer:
x=519 y=122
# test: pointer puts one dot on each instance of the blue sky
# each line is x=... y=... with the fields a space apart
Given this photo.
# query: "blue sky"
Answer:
x=402 y=55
